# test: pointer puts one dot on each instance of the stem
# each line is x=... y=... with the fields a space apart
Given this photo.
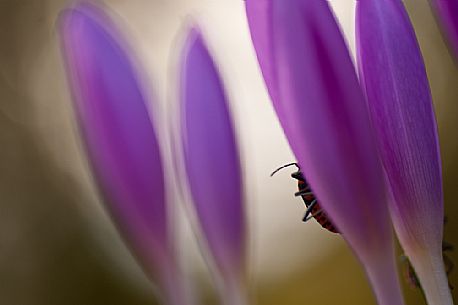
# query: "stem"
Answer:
x=382 y=273
x=233 y=292
x=173 y=287
x=431 y=273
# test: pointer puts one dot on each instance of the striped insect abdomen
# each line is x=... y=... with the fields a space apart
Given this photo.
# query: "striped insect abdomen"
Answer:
x=319 y=215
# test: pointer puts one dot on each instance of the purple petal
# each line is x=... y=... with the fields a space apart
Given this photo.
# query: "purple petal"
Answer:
x=393 y=72
x=118 y=133
x=211 y=158
x=447 y=11
x=322 y=110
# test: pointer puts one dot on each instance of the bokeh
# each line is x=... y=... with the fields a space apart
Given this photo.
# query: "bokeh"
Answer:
x=57 y=243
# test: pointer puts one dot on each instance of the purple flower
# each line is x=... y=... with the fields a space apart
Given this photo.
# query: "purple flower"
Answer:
x=399 y=99
x=212 y=165
x=120 y=139
x=447 y=11
x=314 y=88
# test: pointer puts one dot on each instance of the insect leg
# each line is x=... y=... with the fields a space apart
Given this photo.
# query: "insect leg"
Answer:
x=311 y=216
x=303 y=193
x=309 y=210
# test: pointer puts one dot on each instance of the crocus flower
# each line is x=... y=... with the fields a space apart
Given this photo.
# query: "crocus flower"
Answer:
x=399 y=98
x=212 y=166
x=447 y=12
x=316 y=94
x=120 y=139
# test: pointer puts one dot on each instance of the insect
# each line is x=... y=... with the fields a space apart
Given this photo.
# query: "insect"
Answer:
x=313 y=207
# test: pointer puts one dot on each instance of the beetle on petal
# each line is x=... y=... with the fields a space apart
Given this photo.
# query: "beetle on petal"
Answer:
x=321 y=107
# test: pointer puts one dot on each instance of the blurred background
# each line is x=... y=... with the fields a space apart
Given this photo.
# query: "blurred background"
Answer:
x=57 y=244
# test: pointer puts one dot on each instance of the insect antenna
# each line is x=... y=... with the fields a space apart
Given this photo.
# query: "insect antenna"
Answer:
x=282 y=167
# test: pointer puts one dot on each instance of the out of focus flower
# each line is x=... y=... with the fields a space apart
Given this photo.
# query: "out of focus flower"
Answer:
x=120 y=139
x=317 y=96
x=212 y=166
x=399 y=99
x=447 y=12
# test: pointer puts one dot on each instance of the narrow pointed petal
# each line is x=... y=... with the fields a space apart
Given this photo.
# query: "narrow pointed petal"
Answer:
x=211 y=159
x=447 y=12
x=398 y=94
x=322 y=110
x=119 y=136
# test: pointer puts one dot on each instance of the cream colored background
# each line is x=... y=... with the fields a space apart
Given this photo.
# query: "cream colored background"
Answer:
x=57 y=245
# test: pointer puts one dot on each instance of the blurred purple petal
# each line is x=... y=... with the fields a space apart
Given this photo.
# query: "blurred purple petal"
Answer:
x=211 y=158
x=322 y=110
x=394 y=76
x=260 y=14
x=447 y=11
x=118 y=133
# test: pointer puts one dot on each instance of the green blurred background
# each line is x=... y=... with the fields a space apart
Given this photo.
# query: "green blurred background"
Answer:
x=58 y=246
